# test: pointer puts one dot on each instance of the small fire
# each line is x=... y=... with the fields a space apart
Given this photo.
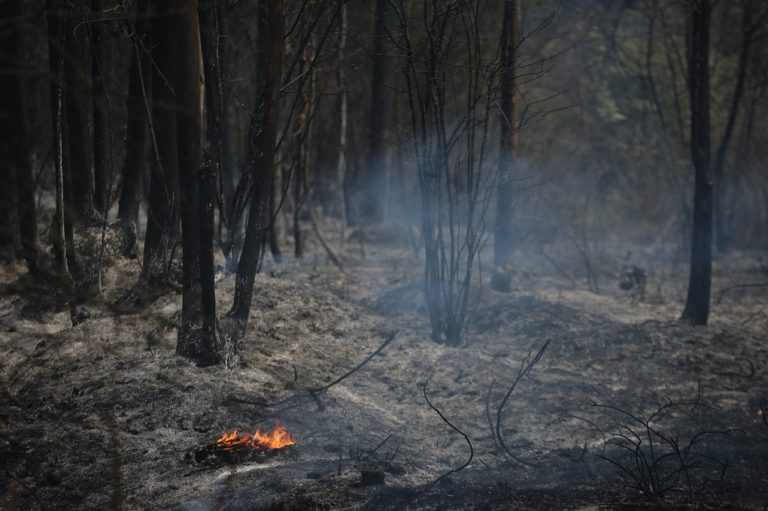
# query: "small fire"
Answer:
x=278 y=439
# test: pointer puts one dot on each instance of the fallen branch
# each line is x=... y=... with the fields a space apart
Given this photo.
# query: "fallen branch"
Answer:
x=525 y=367
x=315 y=393
x=328 y=250
x=349 y=373
x=457 y=430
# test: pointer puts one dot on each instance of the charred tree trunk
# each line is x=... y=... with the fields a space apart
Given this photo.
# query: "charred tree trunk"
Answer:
x=136 y=131
x=210 y=22
x=62 y=222
x=341 y=78
x=302 y=161
x=260 y=166
x=697 y=303
x=163 y=210
x=375 y=178
x=192 y=341
x=102 y=139
x=78 y=93
x=274 y=230
x=19 y=135
x=503 y=236
x=10 y=239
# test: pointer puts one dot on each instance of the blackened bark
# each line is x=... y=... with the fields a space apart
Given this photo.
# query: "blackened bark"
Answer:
x=210 y=16
x=136 y=130
x=102 y=141
x=10 y=240
x=78 y=91
x=260 y=165
x=341 y=78
x=207 y=186
x=25 y=184
x=61 y=228
x=302 y=161
x=274 y=235
x=503 y=235
x=375 y=178
x=697 y=303
x=163 y=208
x=185 y=29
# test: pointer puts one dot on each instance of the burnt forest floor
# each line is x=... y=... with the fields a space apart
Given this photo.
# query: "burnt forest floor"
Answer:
x=104 y=415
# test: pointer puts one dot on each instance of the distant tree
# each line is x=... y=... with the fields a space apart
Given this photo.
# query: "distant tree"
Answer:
x=449 y=77
x=260 y=168
x=62 y=229
x=19 y=215
x=102 y=53
x=78 y=91
x=753 y=29
x=138 y=104
x=375 y=178
x=163 y=208
x=341 y=78
x=503 y=235
x=697 y=302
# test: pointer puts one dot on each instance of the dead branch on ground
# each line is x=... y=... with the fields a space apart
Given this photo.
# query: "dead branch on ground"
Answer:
x=525 y=368
x=457 y=430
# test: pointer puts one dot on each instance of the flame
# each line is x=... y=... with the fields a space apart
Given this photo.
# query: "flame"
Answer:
x=278 y=439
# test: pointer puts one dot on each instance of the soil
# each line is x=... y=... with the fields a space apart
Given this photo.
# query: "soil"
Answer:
x=104 y=415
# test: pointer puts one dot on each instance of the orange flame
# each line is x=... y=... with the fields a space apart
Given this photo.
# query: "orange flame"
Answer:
x=278 y=439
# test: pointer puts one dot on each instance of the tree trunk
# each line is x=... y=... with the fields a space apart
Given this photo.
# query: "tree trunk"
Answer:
x=274 y=230
x=25 y=183
x=102 y=138
x=697 y=303
x=260 y=165
x=163 y=210
x=503 y=235
x=376 y=163
x=62 y=227
x=192 y=341
x=78 y=93
x=341 y=78
x=302 y=163
x=136 y=131
x=10 y=239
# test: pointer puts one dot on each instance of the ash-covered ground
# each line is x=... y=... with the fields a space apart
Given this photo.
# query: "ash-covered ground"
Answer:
x=104 y=415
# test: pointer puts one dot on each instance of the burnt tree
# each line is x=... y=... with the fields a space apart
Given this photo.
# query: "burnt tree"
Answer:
x=697 y=302
x=163 y=207
x=19 y=213
x=503 y=242
x=752 y=21
x=137 y=108
x=260 y=167
x=192 y=341
x=79 y=106
x=375 y=179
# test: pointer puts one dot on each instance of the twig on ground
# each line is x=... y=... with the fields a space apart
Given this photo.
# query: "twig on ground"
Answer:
x=525 y=367
x=457 y=430
x=316 y=392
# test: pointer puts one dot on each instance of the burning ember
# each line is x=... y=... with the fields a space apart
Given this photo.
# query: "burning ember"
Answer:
x=258 y=441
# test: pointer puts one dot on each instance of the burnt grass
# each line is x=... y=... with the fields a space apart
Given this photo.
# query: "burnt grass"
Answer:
x=104 y=415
